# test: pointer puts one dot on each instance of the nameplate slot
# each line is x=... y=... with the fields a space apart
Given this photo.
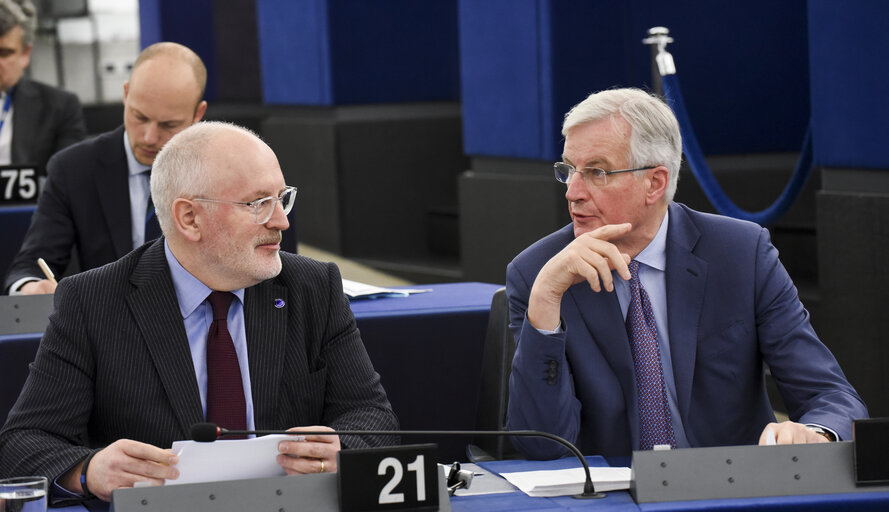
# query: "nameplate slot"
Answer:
x=744 y=472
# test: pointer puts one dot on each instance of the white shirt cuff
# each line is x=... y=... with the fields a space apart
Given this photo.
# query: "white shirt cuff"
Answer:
x=16 y=288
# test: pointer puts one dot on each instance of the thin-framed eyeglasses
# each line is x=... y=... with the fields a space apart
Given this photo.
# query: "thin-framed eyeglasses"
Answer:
x=263 y=208
x=592 y=175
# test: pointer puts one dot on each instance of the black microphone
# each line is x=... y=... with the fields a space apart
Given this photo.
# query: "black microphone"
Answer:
x=209 y=432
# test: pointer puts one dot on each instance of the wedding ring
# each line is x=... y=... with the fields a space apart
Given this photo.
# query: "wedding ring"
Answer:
x=322 y=467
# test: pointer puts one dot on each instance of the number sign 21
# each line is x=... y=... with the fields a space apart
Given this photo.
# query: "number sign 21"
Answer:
x=389 y=478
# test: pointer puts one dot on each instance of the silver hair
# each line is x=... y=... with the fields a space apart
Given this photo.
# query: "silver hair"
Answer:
x=20 y=13
x=654 y=131
x=179 y=169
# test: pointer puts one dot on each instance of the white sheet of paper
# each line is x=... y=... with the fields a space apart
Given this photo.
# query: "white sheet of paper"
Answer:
x=565 y=482
x=228 y=459
x=356 y=290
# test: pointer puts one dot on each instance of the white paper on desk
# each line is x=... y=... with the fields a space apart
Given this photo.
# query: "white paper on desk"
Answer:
x=565 y=482
x=228 y=459
x=356 y=290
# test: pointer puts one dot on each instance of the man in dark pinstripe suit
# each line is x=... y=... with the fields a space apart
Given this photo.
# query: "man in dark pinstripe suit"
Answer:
x=122 y=368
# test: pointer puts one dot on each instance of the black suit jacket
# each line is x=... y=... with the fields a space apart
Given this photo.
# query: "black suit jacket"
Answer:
x=115 y=363
x=44 y=120
x=85 y=203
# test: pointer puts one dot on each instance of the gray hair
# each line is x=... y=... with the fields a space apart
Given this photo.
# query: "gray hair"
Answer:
x=179 y=169
x=21 y=13
x=654 y=131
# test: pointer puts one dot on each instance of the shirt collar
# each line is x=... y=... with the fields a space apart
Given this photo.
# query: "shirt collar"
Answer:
x=132 y=164
x=190 y=291
x=655 y=253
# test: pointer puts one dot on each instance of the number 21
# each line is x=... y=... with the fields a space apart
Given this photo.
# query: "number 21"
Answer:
x=386 y=495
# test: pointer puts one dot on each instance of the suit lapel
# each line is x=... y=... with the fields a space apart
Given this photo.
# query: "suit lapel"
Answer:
x=25 y=116
x=266 y=327
x=154 y=306
x=112 y=182
x=604 y=321
x=686 y=278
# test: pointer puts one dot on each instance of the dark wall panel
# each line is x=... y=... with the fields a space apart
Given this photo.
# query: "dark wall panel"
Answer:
x=853 y=241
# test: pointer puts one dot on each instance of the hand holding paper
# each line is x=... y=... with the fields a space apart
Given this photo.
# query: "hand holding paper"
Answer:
x=314 y=454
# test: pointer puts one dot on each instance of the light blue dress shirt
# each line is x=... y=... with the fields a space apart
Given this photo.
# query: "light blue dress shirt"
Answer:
x=198 y=315
x=140 y=191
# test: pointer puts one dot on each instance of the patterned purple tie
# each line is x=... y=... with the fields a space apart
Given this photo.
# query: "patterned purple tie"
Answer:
x=226 y=406
x=655 y=424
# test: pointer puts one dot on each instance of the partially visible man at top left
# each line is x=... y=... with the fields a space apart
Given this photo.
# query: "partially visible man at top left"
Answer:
x=36 y=120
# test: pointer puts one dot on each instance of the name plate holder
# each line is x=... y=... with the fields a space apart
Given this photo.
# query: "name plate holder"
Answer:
x=24 y=314
x=314 y=492
x=744 y=472
x=20 y=184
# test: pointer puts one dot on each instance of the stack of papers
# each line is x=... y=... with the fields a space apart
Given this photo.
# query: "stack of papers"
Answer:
x=566 y=482
x=355 y=290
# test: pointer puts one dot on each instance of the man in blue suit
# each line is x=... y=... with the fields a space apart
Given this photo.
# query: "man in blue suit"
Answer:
x=645 y=322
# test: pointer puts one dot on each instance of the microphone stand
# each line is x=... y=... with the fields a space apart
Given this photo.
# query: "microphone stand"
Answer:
x=589 y=490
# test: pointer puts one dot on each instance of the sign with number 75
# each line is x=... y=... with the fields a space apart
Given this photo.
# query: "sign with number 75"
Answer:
x=18 y=184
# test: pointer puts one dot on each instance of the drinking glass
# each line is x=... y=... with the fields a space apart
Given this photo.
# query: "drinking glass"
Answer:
x=23 y=494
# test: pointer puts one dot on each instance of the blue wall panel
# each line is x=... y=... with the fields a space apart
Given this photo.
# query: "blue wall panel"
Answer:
x=501 y=76
x=394 y=50
x=189 y=23
x=743 y=67
x=294 y=50
x=850 y=73
x=336 y=52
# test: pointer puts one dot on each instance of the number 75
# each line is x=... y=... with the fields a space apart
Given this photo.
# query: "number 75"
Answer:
x=27 y=184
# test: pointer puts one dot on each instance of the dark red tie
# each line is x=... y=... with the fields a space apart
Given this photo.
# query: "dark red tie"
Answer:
x=152 y=227
x=226 y=406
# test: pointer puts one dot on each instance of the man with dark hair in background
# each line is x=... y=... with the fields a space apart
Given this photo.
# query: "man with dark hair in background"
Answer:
x=37 y=120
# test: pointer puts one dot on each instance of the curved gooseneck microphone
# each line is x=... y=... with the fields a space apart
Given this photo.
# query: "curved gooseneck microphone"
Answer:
x=209 y=432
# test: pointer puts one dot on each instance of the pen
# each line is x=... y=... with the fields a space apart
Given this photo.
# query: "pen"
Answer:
x=46 y=271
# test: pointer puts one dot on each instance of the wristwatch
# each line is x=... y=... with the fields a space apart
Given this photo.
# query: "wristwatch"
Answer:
x=824 y=432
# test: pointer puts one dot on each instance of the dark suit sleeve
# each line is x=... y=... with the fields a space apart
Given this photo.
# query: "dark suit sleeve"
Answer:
x=46 y=431
x=51 y=234
x=354 y=395
x=541 y=388
x=71 y=127
x=809 y=378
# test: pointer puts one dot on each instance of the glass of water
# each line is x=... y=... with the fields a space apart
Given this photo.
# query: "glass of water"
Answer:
x=23 y=494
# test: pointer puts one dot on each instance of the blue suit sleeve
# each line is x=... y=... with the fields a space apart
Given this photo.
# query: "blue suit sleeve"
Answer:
x=808 y=376
x=541 y=388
